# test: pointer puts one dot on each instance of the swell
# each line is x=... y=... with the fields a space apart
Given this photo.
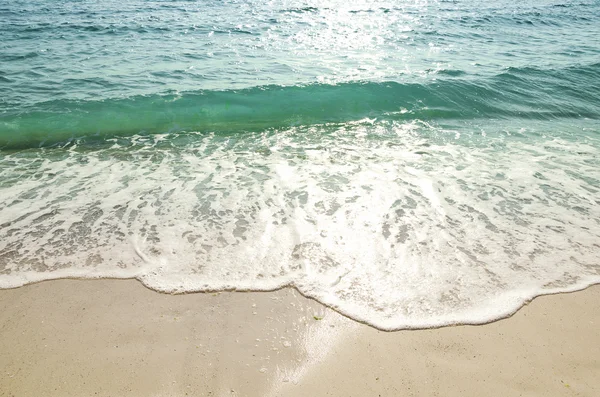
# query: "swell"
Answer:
x=526 y=93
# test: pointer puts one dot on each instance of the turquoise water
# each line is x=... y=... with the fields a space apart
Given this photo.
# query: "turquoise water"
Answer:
x=408 y=163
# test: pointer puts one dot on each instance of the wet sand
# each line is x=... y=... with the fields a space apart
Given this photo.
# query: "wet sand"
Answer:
x=117 y=338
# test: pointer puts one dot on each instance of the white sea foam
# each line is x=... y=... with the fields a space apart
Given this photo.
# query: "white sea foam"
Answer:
x=396 y=225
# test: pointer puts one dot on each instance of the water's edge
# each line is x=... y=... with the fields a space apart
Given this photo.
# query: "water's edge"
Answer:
x=505 y=315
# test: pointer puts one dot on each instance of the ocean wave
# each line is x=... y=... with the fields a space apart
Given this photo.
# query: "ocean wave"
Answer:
x=525 y=93
x=389 y=223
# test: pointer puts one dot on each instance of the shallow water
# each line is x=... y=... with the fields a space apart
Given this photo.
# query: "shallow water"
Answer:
x=410 y=164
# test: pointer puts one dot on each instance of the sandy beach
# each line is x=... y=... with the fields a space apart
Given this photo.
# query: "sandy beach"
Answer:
x=117 y=338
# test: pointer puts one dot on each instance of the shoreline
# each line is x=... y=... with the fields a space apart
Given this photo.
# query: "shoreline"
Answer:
x=118 y=337
x=509 y=313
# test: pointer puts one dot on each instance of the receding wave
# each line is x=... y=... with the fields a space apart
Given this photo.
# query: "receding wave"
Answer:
x=525 y=93
x=387 y=222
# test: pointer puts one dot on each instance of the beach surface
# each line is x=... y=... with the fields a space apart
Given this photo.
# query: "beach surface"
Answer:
x=116 y=338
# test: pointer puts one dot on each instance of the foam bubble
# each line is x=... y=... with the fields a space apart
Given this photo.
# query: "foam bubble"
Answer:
x=400 y=225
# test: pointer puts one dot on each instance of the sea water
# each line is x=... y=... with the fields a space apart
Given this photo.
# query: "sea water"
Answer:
x=408 y=163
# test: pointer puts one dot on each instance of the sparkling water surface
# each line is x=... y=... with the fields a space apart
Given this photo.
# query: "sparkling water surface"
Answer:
x=408 y=163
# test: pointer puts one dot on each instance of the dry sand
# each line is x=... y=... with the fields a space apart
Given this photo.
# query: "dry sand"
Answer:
x=117 y=338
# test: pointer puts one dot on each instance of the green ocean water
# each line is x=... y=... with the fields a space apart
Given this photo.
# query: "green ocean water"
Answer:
x=408 y=163
x=72 y=69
